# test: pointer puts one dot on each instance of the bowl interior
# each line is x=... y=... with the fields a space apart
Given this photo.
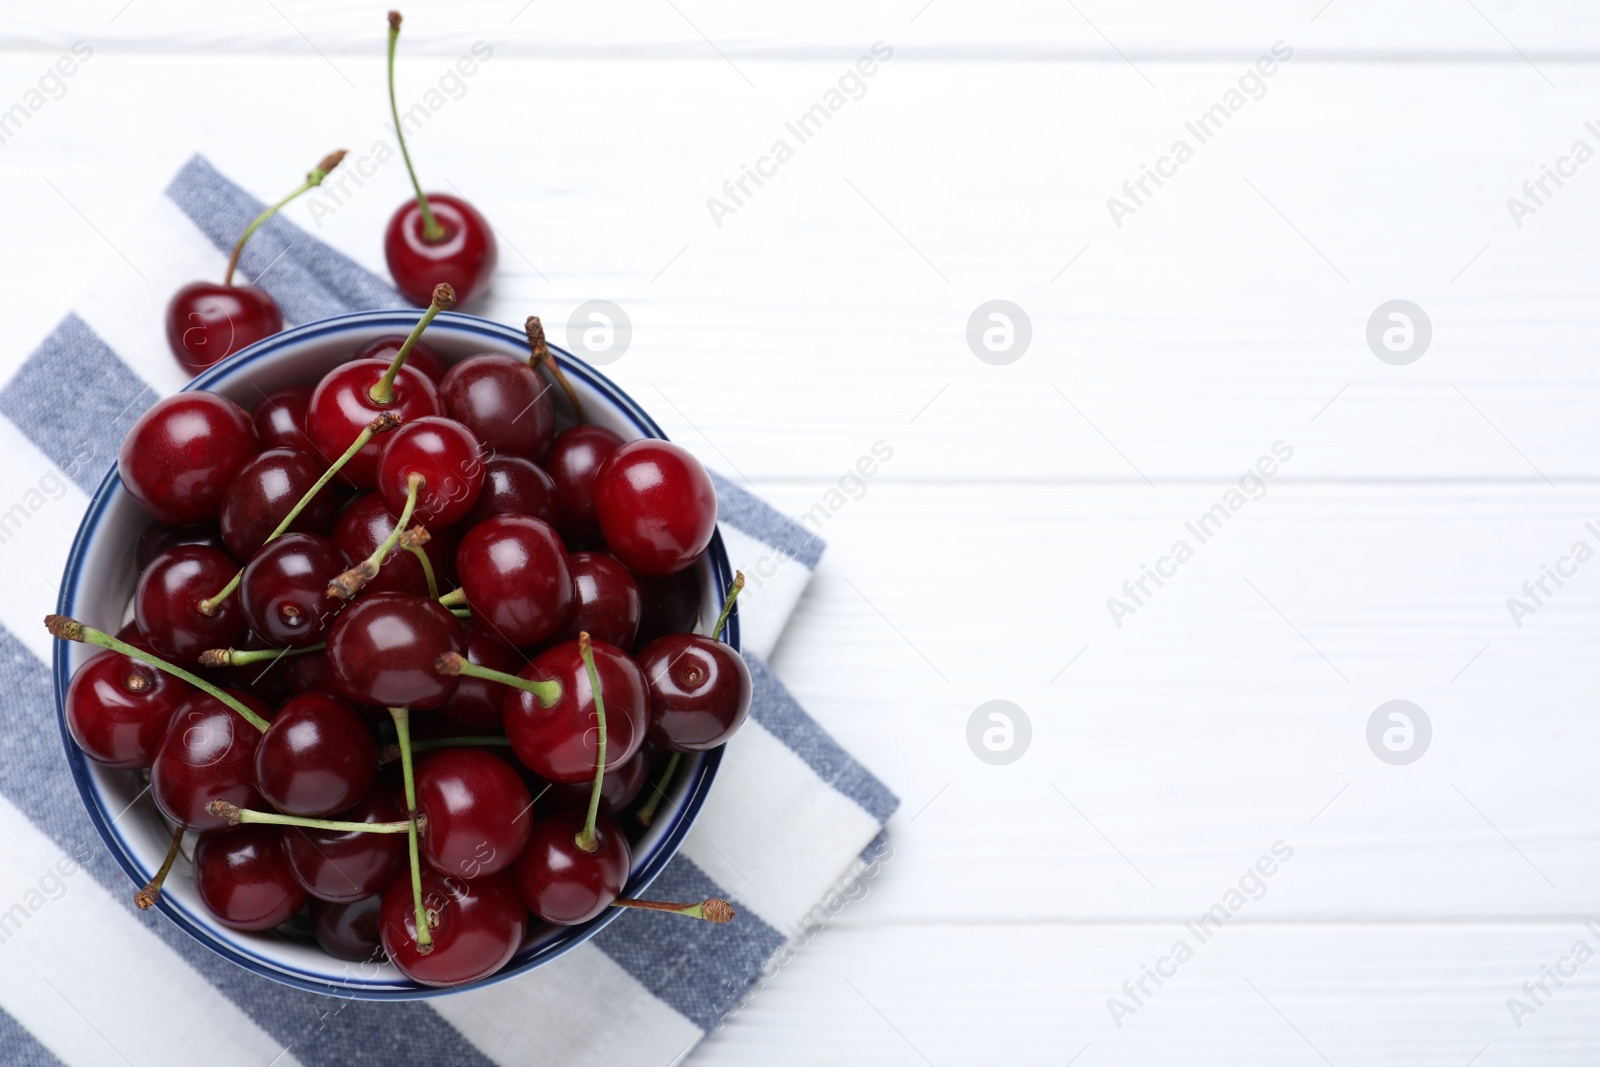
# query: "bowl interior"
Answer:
x=98 y=586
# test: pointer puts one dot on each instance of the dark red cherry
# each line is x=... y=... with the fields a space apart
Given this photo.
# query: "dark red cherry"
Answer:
x=349 y=931
x=503 y=402
x=158 y=537
x=559 y=743
x=284 y=591
x=476 y=703
x=243 y=877
x=209 y=754
x=563 y=884
x=345 y=866
x=574 y=460
x=366 y=523
x=342 y=406
x=514 y=486
x=514 y=571
x=450 y=460
x=671 y=604
x=422 y=356
x=178 y=458
x=479 y=812
x=207 y=323
x=476 y=926
x=118 y=708
x=463 y=256
x=263 y=492
x=608 y=600
x=317 y=757
x=699 y=691
x=618 y=789
x=280 y=419
x=306 y=672
x=656 y=507
x=382 y=649
x=166 y=603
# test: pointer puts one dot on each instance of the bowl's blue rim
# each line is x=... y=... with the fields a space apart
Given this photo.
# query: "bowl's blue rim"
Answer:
x=569 y=937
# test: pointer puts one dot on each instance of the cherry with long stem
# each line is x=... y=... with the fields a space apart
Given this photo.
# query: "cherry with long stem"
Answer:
x=238 y=816
x=351 y=582
x=444 y=298
x=382 y=424
x=147 y=896
x=542 y=357
x=67 y=629
x=313 y=179
x=402 y=729
x=712 y=909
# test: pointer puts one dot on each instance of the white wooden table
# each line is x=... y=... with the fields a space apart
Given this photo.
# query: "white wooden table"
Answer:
x=1227 y=313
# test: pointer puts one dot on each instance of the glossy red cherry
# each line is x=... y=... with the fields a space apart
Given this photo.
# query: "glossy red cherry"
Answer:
x=349 y=931
x=574 y=460
x=264 y=491
x=671 y=604
x=366 y=523
x=656 y=507
x=514 y=486
x=503 y=402
x=317 y=757
x=280 y=419
x=560 y=743
x=618 y=789
x=609 y=605
x=284 y=592
x=166 y=603
x=158 y=537
x=700 y=691
x=463 y=256
x=345 y=866
x=207 y=323
x=563 y=884
x=514 y=571
x=118 y=708
x=449 y=459
x=476 y=703
x=209 y=754
x=422 y=357
x=342 y=406
x=243 y=877
x=179 y=457
x=479 y=812
x=476 y=926
x=382 y=649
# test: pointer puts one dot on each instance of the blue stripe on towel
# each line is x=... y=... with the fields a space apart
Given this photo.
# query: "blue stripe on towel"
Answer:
x=754 y=516
x=18 y=1048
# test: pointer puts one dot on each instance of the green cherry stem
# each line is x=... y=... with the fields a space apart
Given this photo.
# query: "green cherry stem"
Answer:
x=658 y=792
x=382 y=391
x=72 y=630
x=314 y=179
x=147 y=896
x=402 y=729
x=412 y=541
x=585 y=838
x=712 y=909
x=233 y=657
x=389 y=753
x=238 y=816
x=382 y=424
x=542 y=358
x=346 y=585
x=455 y=598
x=548 y=691
x=727 y=605
x=430 y=225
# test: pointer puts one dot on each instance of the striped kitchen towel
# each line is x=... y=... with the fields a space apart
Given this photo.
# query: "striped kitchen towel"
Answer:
x=793 y=822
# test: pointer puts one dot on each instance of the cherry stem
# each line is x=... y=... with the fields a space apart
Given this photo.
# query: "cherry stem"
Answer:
x=712 y=909
x=402 y=729
x=542 y=357
x=455 y=598
x=382 y=424
x=72 y=630
x=430 y=225
x=727 y=605
x=352 y=581
x=238 y=816
x=382 y=391
x=412 y=541
x=586 y=837
x=313 y=179
x=647 y=811
x=548 y=691
x=233 y=657
x=146 y=898
x=389 y=753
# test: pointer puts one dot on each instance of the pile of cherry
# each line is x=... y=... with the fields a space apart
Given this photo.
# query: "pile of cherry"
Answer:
x=402 y=652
